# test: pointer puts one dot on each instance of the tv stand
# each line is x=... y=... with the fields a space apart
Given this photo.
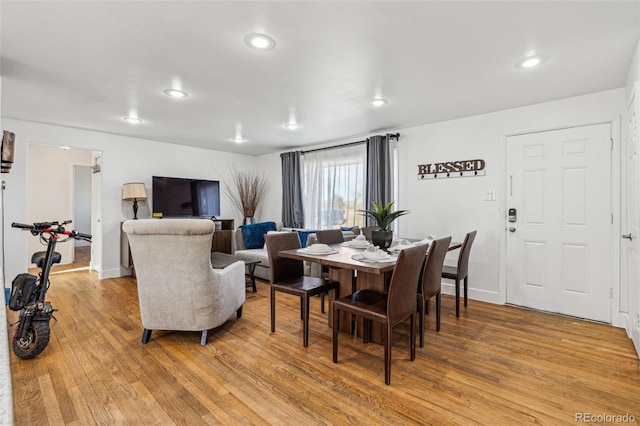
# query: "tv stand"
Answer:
x=222 y=235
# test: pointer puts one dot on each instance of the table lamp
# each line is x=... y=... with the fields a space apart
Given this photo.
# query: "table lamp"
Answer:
x=134 y=191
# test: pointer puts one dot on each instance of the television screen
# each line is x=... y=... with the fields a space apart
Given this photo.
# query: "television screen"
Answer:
x=178 y=197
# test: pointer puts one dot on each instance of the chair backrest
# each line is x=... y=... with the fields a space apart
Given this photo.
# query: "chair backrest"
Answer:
x=432 y=272
x=463 y=259
x=281 y=268
x=331 y=236
x=172 y=258
x=401 y=301
x=367 y=230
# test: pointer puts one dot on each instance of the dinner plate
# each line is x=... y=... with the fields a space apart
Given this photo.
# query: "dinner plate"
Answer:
x=317 y=253
x=360 y=258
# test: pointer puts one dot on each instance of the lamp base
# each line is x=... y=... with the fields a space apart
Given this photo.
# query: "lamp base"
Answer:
x=135 y=209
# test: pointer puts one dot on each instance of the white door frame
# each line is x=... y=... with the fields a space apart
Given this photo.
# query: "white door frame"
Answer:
x=617 y=318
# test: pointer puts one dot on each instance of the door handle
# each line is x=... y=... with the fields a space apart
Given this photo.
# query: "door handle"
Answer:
x=627 y=236
x=512 y=229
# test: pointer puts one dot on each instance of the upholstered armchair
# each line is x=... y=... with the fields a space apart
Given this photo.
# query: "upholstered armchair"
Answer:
x=177 y=287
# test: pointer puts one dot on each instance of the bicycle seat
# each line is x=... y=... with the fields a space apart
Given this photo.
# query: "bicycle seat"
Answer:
x=38 y=258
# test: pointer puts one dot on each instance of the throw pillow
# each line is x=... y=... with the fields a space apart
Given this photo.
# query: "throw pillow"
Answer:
x=304 y=235
x=254 y=233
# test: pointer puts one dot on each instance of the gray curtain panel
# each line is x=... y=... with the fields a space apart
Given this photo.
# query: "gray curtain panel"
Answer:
x=379 y=178
x=292 y=211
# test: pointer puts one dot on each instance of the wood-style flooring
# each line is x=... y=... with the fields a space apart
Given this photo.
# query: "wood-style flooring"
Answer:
x=495 y=365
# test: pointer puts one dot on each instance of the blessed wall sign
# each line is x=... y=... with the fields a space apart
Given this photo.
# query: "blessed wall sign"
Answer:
x=449 y=169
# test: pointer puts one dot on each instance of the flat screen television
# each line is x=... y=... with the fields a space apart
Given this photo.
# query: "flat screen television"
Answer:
x=179 y=197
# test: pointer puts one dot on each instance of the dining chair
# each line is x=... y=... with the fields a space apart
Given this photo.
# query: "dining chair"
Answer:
x=287 y=276
x=460 y=272
x=329 y=236
x=430 y=283
x=390 y=309
x=367 y=230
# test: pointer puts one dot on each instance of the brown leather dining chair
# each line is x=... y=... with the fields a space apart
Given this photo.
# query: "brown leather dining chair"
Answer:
x=329 y=236
x=389 y=310
x=430 y=283
x=461 y=271
x=287 y=276
x=367 y=230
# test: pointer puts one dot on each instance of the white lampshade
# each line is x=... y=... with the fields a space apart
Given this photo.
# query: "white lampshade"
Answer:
x=134 y=191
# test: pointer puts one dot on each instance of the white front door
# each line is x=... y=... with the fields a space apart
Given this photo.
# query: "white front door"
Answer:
x=632 y=243
x=559 y=246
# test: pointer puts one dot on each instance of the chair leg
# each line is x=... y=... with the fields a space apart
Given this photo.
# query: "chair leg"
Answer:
x=273 y=310
x=412 y=332
x=239 y=312
x=146 y=335
x=322 y=302
x=438 y=312
x=466 y=285
x=421 y=320
x=203 y=338
x=366 y=330
x=301 y=309
x=336 y=326
x=305 y=320
x=457 y=297
x=387 y=354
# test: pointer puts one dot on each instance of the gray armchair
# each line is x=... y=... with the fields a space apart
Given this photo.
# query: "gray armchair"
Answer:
x=177 y=287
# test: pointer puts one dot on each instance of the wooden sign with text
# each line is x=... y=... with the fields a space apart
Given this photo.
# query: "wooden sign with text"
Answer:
x=451 y=169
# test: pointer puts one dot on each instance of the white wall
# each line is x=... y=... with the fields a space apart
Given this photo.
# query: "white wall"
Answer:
x=82 y=201
x=50 y=184
x=455 y=206
x=123 y=160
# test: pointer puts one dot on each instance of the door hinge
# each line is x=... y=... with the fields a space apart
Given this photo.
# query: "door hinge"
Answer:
x=612 y=218
x=611 y=147
x=610 y=292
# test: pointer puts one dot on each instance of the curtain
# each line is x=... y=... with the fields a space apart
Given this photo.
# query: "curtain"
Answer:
x=334 y=187
x=379 y=172
x=292 y=209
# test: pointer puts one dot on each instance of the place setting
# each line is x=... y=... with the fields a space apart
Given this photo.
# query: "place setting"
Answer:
x=373 y=254
x=318 y=249
x=358 y=242
x=404 y=244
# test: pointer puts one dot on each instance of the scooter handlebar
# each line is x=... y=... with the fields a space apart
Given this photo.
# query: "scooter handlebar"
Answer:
x=21 y=226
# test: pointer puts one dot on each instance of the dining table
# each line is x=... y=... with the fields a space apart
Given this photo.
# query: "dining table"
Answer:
x=342 y=260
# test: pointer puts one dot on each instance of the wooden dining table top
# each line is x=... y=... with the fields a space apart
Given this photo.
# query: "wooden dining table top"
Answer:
x=343 y=259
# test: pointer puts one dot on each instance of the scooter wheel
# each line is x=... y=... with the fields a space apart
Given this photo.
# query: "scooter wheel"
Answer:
x=35 y=342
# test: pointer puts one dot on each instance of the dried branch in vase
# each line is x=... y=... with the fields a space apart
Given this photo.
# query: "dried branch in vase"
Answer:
x=247 y=191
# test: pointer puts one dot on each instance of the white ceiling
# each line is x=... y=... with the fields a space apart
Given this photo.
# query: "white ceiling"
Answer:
x=87 y=64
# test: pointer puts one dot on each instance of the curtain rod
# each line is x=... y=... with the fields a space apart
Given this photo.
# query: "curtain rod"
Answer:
x=391 y=136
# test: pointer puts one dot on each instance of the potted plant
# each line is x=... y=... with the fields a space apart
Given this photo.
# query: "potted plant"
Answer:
x=249 y=189
x=383 y=217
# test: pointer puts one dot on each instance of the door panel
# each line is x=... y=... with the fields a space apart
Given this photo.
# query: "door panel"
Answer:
x=632 y=246
x=559 y=248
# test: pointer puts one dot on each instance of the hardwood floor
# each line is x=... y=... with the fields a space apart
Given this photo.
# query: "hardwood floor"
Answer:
x=493 y=365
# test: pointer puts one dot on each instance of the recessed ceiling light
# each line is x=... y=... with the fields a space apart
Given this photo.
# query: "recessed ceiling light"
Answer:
x=378 y=102
x=260 y=41
x=176 y=93
x=132 y=120
x=65 y=148
x=292 y=126
x=531 y=61
x=238 y=140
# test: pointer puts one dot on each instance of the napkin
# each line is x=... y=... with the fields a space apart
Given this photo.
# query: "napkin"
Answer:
x=318 y=248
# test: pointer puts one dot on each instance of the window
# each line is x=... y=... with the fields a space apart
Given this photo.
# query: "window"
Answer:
x=333 y=187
